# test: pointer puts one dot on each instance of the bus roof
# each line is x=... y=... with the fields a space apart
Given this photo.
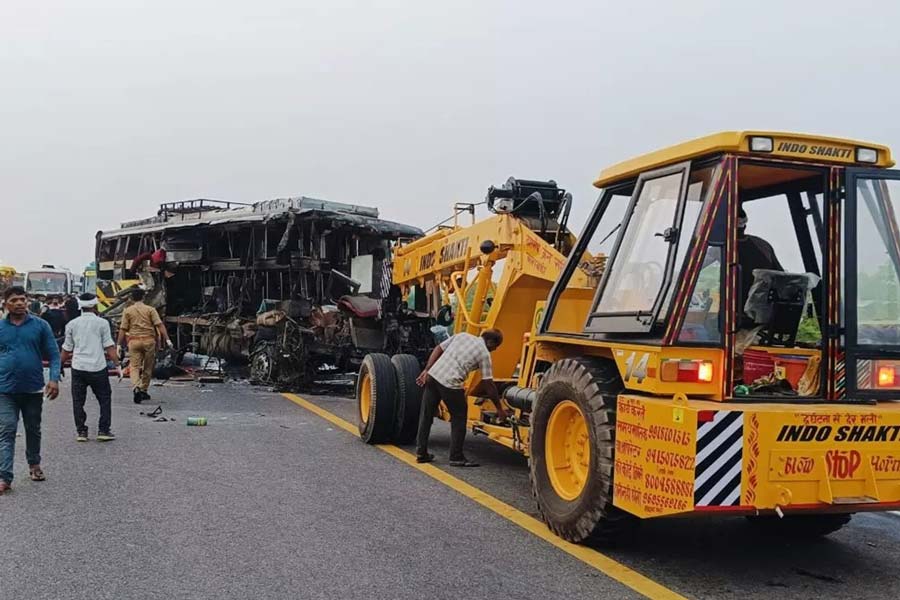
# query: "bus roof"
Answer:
x=784 y=145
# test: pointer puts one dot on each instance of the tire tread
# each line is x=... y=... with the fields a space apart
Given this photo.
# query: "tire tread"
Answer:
x=409 y=398
x=597 y=381
x=379 y=428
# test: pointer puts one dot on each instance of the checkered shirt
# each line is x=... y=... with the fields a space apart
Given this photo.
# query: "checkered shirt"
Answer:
x=463 y=353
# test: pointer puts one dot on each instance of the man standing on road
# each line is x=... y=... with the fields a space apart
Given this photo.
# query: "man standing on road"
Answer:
x=25 y=340
x=55 y=317
x=89 y=344
x=71 y=308
x=142 y=325
x=444 y=379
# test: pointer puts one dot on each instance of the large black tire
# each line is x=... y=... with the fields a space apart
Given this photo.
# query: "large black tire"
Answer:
x=409 y=398
x=376 y=391
x=593 y=385
x=800 y=526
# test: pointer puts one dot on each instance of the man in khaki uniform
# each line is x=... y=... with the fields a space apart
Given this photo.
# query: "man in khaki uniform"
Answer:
x=145 y=330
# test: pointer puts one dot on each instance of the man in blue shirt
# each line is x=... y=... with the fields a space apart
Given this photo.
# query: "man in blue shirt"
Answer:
x=25 y=340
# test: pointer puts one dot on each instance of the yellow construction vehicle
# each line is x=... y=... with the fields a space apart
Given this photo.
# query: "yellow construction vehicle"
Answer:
x=111 y=291
x=7 y=276
x=485 y=274
x=740 y=354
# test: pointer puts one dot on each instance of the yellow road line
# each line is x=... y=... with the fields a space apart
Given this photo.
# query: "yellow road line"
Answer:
x=610 y=567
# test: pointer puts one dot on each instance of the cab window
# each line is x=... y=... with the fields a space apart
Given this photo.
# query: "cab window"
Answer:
x=647 y=262
x=578 y=286
x=636 y=276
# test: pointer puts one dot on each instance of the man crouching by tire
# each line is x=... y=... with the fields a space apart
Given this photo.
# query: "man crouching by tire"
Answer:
x=444 y=379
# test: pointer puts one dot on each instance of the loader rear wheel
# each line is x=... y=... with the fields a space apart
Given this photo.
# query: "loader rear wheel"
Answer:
x=409 y=398
x=375 y=395
x=800 y=526
x=572 y=445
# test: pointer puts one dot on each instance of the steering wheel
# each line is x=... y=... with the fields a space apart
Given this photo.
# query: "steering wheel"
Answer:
x=642 y=278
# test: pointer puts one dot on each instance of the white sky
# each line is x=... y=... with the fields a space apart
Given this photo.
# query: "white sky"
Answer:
x=109 y=107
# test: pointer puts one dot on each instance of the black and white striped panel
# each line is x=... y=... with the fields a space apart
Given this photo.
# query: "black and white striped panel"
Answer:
x=387 y=274
x=720 y=448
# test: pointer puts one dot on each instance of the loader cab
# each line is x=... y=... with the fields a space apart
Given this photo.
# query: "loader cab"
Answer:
x=770 y=261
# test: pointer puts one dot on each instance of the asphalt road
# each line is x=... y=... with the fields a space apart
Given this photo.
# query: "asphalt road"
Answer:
x=271 y=501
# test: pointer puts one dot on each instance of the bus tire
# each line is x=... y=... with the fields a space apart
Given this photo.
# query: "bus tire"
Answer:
x=376 y=398
x=409 y=398
x=574 y=415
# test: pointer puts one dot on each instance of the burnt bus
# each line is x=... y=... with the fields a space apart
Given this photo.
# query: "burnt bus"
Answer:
x=292 y=286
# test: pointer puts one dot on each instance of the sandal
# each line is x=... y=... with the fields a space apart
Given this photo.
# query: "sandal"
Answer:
x=37 y=474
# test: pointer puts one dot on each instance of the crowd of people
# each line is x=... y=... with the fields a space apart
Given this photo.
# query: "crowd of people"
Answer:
x=67 y=331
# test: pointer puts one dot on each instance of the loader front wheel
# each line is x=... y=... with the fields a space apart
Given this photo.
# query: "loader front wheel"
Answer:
x=572 y=446
x=375 y=396
x=409 y=398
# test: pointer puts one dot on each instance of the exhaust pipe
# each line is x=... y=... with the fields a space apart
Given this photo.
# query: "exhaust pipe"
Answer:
x=519 y=397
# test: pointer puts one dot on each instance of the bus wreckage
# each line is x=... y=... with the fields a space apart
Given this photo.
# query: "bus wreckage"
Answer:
x=296 y=287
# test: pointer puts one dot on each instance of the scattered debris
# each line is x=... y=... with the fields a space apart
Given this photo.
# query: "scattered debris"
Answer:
x=154 y=413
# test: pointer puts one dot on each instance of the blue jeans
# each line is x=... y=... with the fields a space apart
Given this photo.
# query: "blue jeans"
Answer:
x=29 y=405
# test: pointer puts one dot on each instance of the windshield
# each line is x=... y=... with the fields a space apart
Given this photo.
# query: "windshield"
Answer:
x=90 y=283
x=38 y=282
x=636 y=278
x=878 y=262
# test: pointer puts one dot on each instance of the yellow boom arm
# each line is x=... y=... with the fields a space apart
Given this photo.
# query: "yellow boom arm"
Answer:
x=461 y=261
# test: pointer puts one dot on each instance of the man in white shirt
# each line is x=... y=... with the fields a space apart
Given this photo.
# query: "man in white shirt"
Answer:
x=444 y=379
x=89 y=344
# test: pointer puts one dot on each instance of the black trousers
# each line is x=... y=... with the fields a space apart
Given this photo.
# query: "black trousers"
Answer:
x=456 y=404
x=98 y=381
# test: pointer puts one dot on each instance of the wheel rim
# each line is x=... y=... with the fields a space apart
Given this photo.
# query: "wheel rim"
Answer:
x=568 y=450
x=365 y=398
x=261 y=365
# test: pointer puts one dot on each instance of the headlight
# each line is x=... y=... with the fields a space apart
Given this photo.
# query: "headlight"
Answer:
x=761 y=144
x=866 y=155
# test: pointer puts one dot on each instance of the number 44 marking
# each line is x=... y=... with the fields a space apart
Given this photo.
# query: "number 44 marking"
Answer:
x=638 y=369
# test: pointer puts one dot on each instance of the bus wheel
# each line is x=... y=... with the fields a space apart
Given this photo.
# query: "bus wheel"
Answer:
x=263 y=363
x=409 y=398
x=572 y=445
x=375 y=397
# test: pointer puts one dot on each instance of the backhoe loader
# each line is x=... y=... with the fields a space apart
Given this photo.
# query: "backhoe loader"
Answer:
x=739 y=354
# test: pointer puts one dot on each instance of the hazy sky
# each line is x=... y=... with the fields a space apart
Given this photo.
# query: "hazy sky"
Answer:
x=108 y=108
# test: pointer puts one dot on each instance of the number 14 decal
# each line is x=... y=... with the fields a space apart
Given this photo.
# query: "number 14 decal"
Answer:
x=638 y=369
